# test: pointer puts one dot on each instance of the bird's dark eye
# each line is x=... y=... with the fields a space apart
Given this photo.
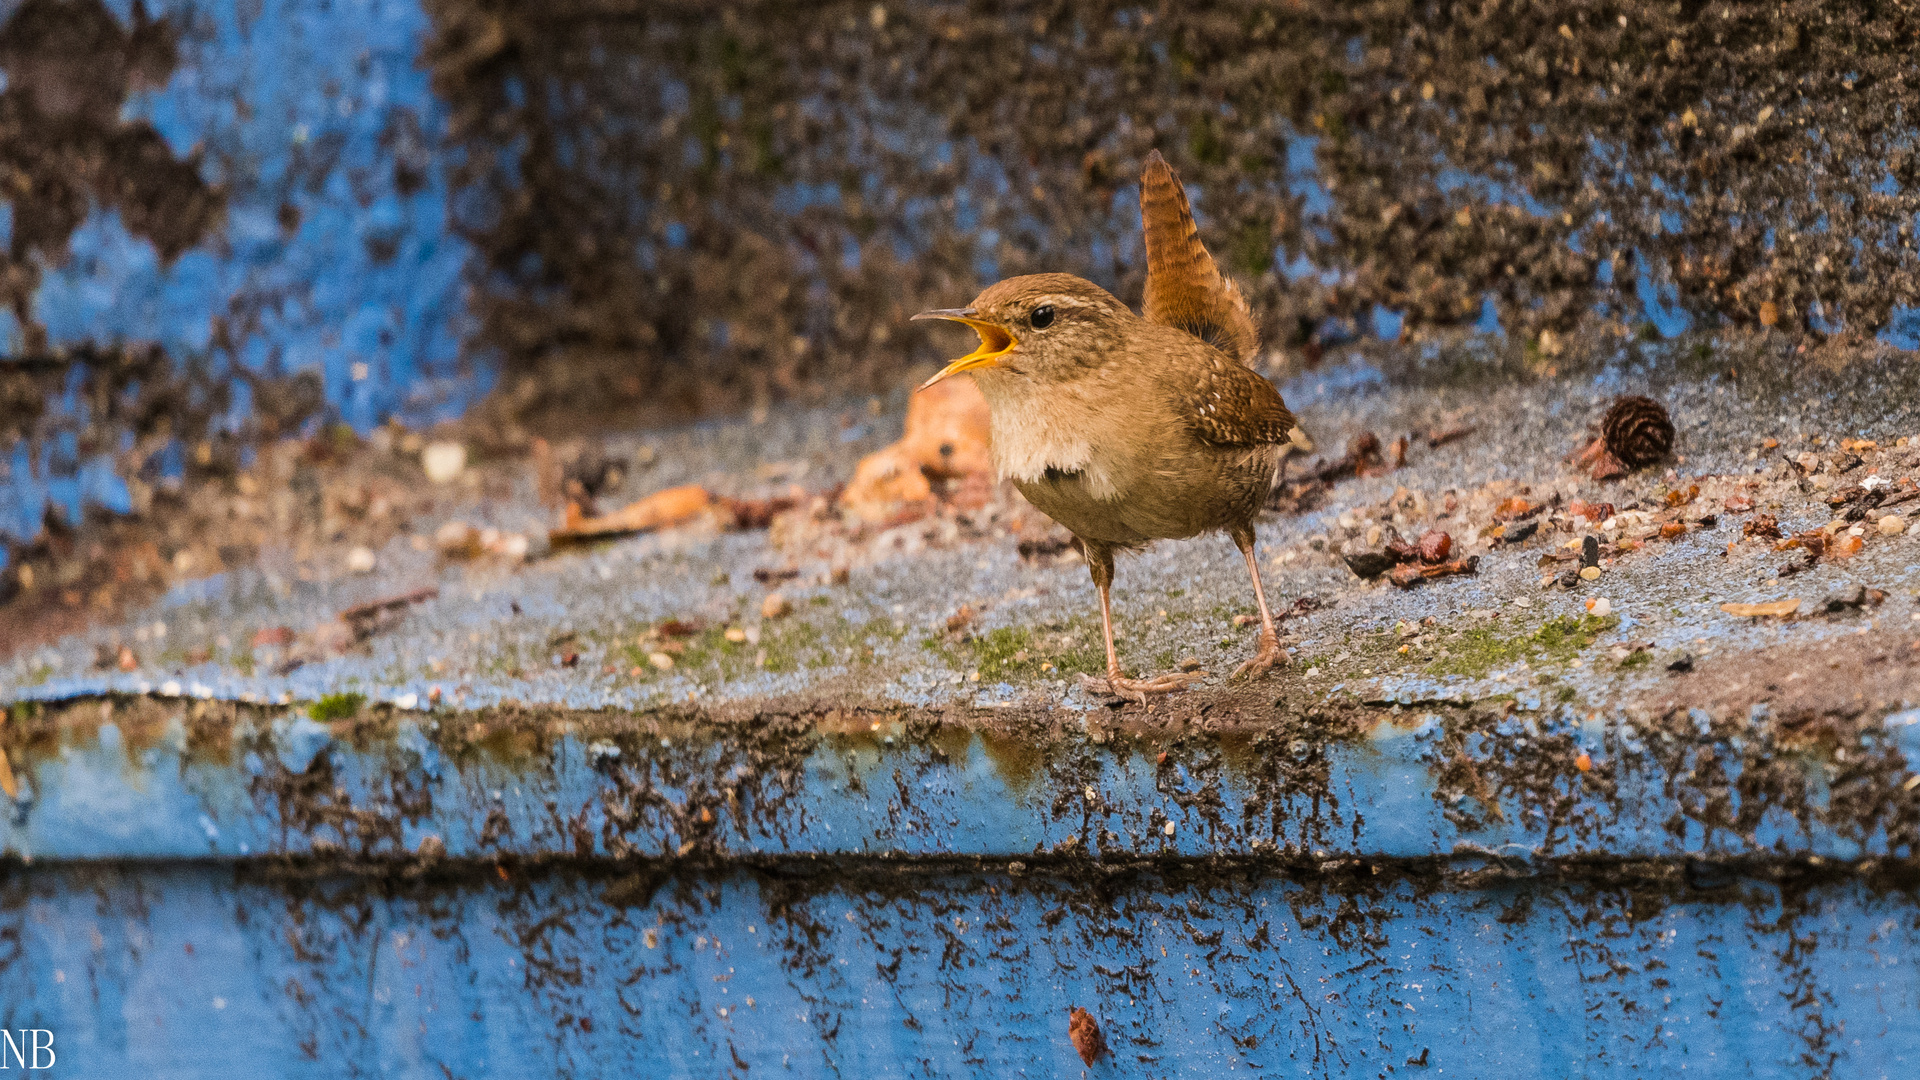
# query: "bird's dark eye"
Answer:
x=1042 y=317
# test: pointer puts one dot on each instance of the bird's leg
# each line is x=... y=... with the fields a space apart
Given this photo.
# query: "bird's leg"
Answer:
x=1100 y=564
x=1269 y=653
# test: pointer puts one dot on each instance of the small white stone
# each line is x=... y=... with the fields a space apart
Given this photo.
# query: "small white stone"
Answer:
x=361 y=561
x=1599 y=607
x=444 y=461
x=1891 y=525
x=1170 y=828
x=170 y=688
x=407 y=701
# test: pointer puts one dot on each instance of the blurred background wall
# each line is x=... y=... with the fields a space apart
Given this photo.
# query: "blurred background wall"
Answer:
x=229 y=221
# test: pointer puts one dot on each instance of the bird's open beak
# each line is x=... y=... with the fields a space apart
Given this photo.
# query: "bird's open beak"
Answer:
x=995 y=342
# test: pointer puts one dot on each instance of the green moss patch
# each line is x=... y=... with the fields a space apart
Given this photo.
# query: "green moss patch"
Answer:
x=336 y=707
x=1476 y=652
x=1016 y=652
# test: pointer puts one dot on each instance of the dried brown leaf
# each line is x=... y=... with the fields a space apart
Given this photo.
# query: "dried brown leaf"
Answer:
x=1779 y=609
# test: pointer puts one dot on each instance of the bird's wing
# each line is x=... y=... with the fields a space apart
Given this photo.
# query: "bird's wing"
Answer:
x=1228 y=405
x=1184 y=287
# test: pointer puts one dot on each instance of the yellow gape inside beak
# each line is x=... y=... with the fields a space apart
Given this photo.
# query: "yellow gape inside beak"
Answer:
x=995 y=342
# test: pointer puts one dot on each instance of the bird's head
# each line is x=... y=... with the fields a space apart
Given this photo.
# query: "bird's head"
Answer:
x=1040 y=327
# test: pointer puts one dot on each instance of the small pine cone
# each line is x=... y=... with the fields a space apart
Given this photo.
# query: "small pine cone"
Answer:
x=1637 y=431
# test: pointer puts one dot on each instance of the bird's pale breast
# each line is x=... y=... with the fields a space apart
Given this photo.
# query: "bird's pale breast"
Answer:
x=1117 y=454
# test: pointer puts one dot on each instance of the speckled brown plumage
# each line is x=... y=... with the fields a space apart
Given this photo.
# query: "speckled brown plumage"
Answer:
x=1127 y=429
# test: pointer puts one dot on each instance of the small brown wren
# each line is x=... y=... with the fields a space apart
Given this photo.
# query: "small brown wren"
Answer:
x=1129 y=429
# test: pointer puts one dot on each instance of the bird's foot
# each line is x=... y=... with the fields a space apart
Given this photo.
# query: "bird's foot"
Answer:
x=1136 y=690
x=1269 y=656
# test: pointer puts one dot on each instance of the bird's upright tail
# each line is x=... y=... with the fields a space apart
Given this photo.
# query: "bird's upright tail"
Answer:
x=1184 y=287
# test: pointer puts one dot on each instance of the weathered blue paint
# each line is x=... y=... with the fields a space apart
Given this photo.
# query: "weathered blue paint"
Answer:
x=863 y=792
x=199 y=971
x=891 y=901
x=320 y=108
x=316 y=113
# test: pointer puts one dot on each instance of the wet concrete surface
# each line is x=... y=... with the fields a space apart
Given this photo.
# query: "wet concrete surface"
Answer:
x=496 y=633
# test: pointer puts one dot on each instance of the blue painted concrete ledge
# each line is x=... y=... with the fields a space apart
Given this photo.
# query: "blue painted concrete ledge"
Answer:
x=888 y=892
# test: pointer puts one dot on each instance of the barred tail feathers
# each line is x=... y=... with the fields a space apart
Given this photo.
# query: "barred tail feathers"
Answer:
x=1185 y=288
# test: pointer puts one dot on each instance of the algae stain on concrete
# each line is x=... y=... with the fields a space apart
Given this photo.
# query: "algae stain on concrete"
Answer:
x=1013 y=653
x=792 y=646
x=1018 y=759
x=335 y=707
x=1478 y=651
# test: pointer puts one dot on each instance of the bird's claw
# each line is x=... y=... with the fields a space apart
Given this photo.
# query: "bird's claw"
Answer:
x=1136 y=690
x=1269 y=656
